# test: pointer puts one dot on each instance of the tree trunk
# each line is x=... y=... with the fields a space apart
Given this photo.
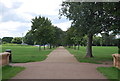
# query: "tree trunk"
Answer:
x=89 y=46
x=68 y=46
x=39 y=47
x=75 y=46
x=50 y=46
x=47 y=46
x=78 y=47
x=53 y=46
x=44 y=47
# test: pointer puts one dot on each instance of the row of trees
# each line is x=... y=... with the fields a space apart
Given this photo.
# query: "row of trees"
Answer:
x=72 y=38
x=68 y=38
x=89 y=19
x=16 y=40
x=106 y=39
x=43 y=32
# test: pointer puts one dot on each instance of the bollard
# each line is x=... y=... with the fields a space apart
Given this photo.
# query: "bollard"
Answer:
x=10 y=57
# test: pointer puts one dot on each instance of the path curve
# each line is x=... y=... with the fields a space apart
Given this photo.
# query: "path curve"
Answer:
x=60 y=64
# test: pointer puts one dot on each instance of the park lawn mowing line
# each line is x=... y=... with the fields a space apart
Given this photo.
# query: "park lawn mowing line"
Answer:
x=23 y=54
x=10 y=71
x=111 y=73
x=100 y=53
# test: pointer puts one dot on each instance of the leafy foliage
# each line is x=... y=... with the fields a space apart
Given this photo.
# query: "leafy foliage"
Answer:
x=43 y=32
x=7 y=39
x=29 y=39
x=41 y=29
x=92 y=18
x=17 y=40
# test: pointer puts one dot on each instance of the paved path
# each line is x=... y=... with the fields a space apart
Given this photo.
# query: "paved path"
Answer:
x=60 y=64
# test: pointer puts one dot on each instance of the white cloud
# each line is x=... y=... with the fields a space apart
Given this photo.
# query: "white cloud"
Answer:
x=7 y=3
x=13 y=28
x=17 y=15
x=64 y=26
x=46 y=7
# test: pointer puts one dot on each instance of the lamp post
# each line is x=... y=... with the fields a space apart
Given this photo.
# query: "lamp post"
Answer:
x=22 y=39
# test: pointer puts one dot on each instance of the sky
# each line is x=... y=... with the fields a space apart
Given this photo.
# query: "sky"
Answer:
x=16 y=15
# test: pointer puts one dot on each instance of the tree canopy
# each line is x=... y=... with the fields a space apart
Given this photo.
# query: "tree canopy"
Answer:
x=43 y=32
x=17 y=40
x=7 y=39
x=92 y=18
x=29 y=39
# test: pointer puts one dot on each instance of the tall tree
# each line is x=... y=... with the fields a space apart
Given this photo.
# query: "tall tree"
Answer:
x=114 y=10
x=57 y=36
x=29 y=39
x=96 y=40
x=89 y=18
x=73 y=37
x=41 y=29
x=70 y=36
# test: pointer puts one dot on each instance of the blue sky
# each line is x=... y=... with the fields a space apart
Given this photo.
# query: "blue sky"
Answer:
x=16 y=15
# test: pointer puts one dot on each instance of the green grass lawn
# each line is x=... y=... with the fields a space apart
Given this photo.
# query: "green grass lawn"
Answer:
x=10 y=71
x=22 y=54
x=100 y=54
x=112 y=73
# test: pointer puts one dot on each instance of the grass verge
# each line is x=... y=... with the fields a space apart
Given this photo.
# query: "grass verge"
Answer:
x=111 y=73
x=10 y=71
x=100 y=54
x=23 y=54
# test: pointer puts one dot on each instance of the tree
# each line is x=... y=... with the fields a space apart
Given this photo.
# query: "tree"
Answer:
x=7 y=39
x=84 y=41
x=17 y=40
x=70 y=37
x=96 y=40
x=73 y=37
x=89 y=18
x=108 y=39
x=114 y=10
x=42 y=30
x=58 y=35
x=28 y=39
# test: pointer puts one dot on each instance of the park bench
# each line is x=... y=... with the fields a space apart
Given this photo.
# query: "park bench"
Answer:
x=116 y=60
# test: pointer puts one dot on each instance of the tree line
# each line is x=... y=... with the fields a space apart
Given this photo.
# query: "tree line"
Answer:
x=16 y=40
x=104 y=39
x=44 y=33
x=67 y=38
